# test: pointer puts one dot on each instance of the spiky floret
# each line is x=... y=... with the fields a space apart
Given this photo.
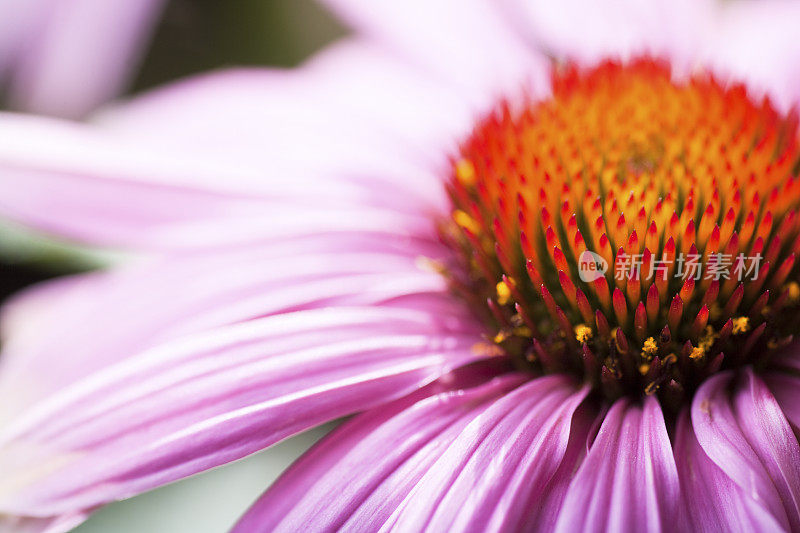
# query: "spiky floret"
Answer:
x=660 y=178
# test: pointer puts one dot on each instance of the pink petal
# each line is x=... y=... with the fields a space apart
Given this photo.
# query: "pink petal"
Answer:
x=19 y=22
x=786 y=389
x=154 y=372
x=745 y=433
x=591 y=30
x=354 y=118
x=628 y=481
x=60 y=524
x=89 y=185
x=212 y=397
x=504 y=464
x=352 y=108
x=746 y=41
x=490 y=452
x=757 y=42
x=788 y=359
x=169 y=298
x=714 y=502
x=75 y=180
x=74 y=55
x=354 y=139
x=465 y=42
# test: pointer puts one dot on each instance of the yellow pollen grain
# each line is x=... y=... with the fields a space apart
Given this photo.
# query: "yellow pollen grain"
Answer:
x=583 y=333
x=643 y=368
x=794 y=291
x=503 y=293
x=705 y=344
x=500 y=337
x=741 y=325
x=651 y=388
x=465 y=172
x=466 y=222
x=697 y=353
x=650 y=347
x=708 y=340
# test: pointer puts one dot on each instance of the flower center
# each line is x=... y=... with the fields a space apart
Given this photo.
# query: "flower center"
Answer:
x=634 y=229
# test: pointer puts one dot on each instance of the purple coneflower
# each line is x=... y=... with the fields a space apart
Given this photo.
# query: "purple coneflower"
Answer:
x=561 y=292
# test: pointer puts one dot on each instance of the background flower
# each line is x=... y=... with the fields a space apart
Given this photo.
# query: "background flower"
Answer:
x=66 y=58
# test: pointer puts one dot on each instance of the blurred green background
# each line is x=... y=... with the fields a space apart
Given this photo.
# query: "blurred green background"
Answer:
x=199 y=35
x=193 y=36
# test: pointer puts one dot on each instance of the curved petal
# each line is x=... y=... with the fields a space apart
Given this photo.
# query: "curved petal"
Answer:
x=73 y=179
x=162 y=369
x=751 y=41
x=743 y=431
x=590 y=30
x=87 y=184
x=410 y=428
x=757 y=42
x=496 y=475
x=353 y=137
x=464 y=42
x=492 y=452
x=98 y=319
x=787 y=359
x=714 y=502
x=212 y=397
x=77 y=54
x=60 y=524
x=351 y=108
x=628 y=481
x=353 y=118
x=18 y=21
x=786 y=389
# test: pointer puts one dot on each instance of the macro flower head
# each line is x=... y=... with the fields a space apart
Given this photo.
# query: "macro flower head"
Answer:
x=545 y=253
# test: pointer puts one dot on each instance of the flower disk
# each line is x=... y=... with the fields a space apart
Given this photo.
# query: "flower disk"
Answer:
x=633 y=228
